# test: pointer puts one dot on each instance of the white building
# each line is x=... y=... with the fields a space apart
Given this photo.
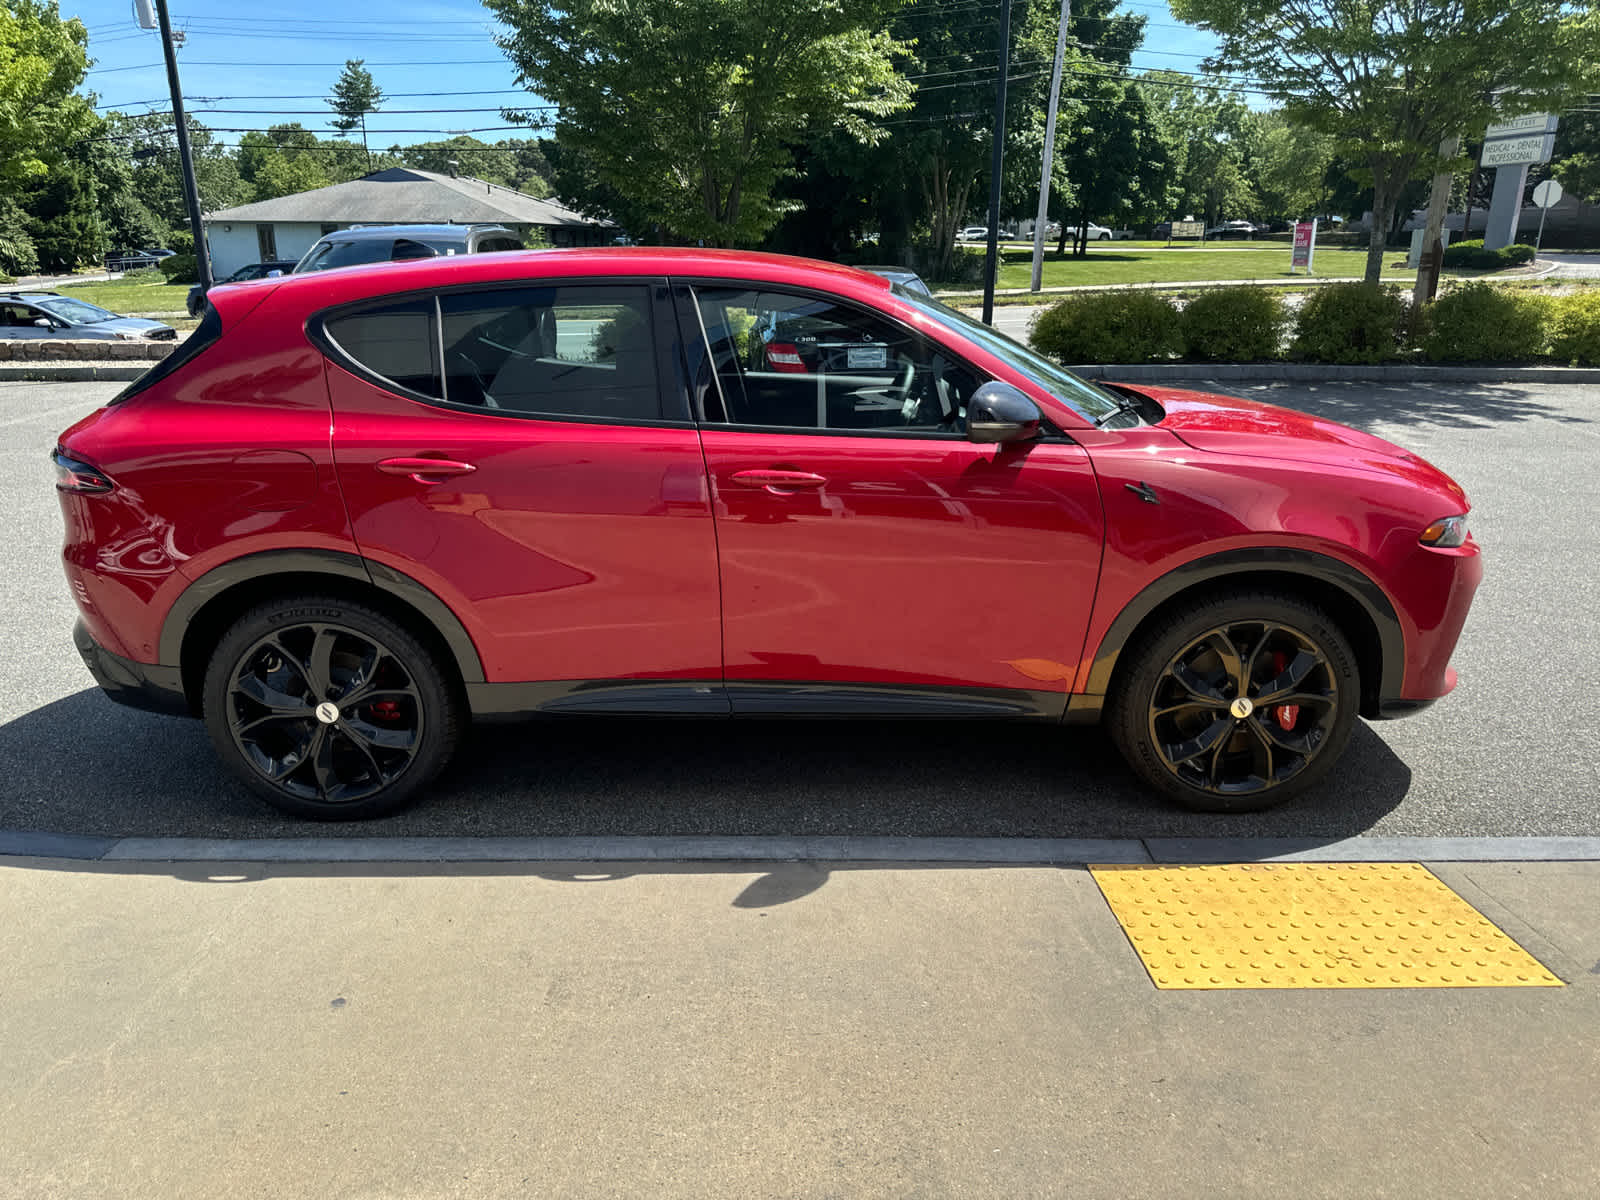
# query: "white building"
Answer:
x=285 y=228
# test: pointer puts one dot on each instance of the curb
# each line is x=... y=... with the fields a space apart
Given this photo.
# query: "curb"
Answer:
x=1179 y=373
x=72 y=372
x=1191 y=285
x=976 y=851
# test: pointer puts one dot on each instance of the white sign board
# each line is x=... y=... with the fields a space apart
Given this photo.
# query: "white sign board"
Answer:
x=1530 y=123
x=1515 y=151
x=1547 y=193
x=144 y=15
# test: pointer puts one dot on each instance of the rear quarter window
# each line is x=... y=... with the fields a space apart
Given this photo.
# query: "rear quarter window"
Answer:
x=397 y=342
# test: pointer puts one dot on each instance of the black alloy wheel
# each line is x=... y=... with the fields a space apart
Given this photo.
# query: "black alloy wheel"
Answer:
x=1240 y=704
x=328 y=709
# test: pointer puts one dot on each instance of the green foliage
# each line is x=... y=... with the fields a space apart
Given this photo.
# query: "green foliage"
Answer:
x=18 y=255
x=1109 y=327
x=1471 y=254
x=43 y=59
x=514 y=162
x=1478 y=322
x=1237 y=324
x=354 y=96
x=180 y=268
x=156 y=181
x=1389 y=80
x=688 y=109
x=4 y=278
x=1350 y=323
x=1208 y=133
x=1575 y=328
x=1577 y=154
x=181 y=241
x=64 y=221
x=143 y=274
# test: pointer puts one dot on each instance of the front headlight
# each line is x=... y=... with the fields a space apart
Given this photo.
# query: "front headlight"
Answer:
x=130 y=335
x=1445 y=534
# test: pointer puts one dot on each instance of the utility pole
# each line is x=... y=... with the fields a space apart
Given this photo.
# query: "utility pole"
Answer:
x=191 y=192
x=1432 y=252
x=1049 y=149
x=991 y=264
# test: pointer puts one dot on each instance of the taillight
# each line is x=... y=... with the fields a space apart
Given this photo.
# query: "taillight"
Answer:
x=75 y=475
x=784 y=357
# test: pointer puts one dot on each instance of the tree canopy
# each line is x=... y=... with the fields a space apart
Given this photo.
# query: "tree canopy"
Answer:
x=42 y=60
x=355 y=94
x=687 y=109
x=1389 y=80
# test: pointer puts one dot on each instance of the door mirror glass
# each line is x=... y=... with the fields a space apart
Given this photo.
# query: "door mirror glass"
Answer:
x=999 y=412
x=44 y=323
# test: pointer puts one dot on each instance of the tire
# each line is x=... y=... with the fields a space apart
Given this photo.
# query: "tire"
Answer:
x=1104 y=237
x=328 y=709
x=1175 y=711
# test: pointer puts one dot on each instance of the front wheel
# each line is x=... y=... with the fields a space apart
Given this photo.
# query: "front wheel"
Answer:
x=328 y=709
x=1237 y=703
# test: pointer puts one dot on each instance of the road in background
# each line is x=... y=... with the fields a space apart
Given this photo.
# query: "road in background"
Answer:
x=1516 y=751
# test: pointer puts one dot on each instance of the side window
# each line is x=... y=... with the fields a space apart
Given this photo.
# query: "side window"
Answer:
x=562 y=351
x=395 y=341
x=350 y=254
x=793 y=361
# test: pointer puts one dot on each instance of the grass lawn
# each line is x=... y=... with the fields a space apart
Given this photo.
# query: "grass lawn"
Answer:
x=1121 y=262
x=131 y=295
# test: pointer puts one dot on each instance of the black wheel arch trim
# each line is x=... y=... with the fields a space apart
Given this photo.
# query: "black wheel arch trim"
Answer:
x=332 y=563
x=1307 y=565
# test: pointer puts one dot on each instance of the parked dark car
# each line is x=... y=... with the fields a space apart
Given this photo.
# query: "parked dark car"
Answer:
x=904 y=276
x=355 y=510
x=399 y=243
x=132 y=260
x=52 y=315
x=260 y=270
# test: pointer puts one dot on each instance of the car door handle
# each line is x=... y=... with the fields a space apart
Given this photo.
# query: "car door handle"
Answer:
x=779 y=483
x=425 y=470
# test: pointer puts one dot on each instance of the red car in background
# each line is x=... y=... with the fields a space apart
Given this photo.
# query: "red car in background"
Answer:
x=357 y=508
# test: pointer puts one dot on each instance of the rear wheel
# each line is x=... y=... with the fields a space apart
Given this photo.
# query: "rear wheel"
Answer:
x=328 y=709
x=1237 y=703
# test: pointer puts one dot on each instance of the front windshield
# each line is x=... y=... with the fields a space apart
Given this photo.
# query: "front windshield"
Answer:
x=1082 y=397
x=77 y=312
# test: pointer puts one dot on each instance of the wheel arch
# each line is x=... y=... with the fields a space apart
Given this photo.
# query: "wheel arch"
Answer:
x=1361 y=608
x=209 y=605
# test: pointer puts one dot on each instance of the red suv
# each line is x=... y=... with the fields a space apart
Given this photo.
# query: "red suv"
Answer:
x=358 y=507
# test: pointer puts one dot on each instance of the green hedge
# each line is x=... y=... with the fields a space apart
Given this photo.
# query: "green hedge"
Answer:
x=1471 y=254
x=181 y=240
x=180 y=268
x=1575 y=329
x=1478 y=322
x=1109 y=327
x=1350 y=323
x=1237 y=324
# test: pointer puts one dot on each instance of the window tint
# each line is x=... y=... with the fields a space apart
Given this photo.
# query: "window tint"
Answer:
x=801 y=362
x=350 y=254
x=498 y=243
x=395 y=341
x=565 y=351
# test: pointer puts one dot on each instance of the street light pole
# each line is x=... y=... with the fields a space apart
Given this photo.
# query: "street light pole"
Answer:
x=991 y=263
x=191 y=191
x=1049 y=149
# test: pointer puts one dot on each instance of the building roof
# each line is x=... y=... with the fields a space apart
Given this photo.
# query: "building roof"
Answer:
x=408 y=195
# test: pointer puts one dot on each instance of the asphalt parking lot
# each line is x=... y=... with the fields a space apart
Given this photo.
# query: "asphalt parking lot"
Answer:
x=1515 y=752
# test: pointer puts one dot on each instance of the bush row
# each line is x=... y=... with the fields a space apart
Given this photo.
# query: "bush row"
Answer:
x=1340 y=323
x=1471 y=254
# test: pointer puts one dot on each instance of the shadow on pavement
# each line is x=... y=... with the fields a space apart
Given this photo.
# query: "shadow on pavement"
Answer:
x=83 y=765
x=1451 y=405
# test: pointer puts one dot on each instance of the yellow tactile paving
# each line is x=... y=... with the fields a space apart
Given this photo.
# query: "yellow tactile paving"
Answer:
x=1310 y=925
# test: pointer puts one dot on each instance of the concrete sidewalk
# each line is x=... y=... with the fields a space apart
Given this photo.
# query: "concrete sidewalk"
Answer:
x=722 y=1029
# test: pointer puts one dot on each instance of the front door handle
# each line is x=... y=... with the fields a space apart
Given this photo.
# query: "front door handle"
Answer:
x=779 y=483
x=425 y=470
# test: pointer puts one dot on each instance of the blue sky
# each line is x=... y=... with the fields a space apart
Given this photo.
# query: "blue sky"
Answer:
x=286 y=56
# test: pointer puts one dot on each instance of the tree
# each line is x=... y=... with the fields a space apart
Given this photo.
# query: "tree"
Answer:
x=1390 y=79
x=512 y=163
x=355 y=94
x=688 y=108
x=64 y=220
x=1290 y=163
x=1576 y=165
x=157 y=179
x=1206 y=128
x=42 y=60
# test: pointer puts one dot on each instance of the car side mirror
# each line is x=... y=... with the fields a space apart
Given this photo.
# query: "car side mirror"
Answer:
x=275 y=273
x=999 y=412
x=44 y=323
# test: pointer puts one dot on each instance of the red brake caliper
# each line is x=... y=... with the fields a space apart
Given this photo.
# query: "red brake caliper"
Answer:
x=385 y=712
x=1285 y=714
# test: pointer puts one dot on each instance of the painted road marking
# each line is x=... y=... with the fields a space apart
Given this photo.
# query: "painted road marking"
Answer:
x=1310 y=925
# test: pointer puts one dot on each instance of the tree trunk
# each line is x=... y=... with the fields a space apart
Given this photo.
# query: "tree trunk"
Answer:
x=1383 y=201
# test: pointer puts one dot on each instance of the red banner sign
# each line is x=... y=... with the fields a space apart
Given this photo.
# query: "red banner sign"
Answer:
x=1305 y=244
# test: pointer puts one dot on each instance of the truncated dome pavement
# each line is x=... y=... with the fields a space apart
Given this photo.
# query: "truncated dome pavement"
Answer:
x=1310 y=925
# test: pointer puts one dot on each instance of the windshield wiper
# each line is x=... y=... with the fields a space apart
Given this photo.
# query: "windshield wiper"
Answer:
x=1125 y=406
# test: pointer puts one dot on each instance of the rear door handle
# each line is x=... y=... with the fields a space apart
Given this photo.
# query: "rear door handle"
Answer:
x=425 y=470
x=779 y=483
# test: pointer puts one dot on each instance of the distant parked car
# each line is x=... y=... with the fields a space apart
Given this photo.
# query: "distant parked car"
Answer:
x=974 y=233
x=904 y=276
x=131 y=260
x=1232 y=229
x=1098 y=233
x=399 y=243
x=260 y=270
x=52 y=315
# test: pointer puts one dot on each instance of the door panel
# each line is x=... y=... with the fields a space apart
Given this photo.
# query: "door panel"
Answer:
x=917 y=561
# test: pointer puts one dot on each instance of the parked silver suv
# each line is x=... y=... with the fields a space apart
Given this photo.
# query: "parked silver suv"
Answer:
x=394 y=243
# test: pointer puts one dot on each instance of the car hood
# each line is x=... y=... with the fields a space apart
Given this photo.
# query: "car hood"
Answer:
x=1229 y=425
x=127 y=325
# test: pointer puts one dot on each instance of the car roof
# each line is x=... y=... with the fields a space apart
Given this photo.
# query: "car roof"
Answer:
x=26 y=296
x=363 y=232
x=347 y=284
